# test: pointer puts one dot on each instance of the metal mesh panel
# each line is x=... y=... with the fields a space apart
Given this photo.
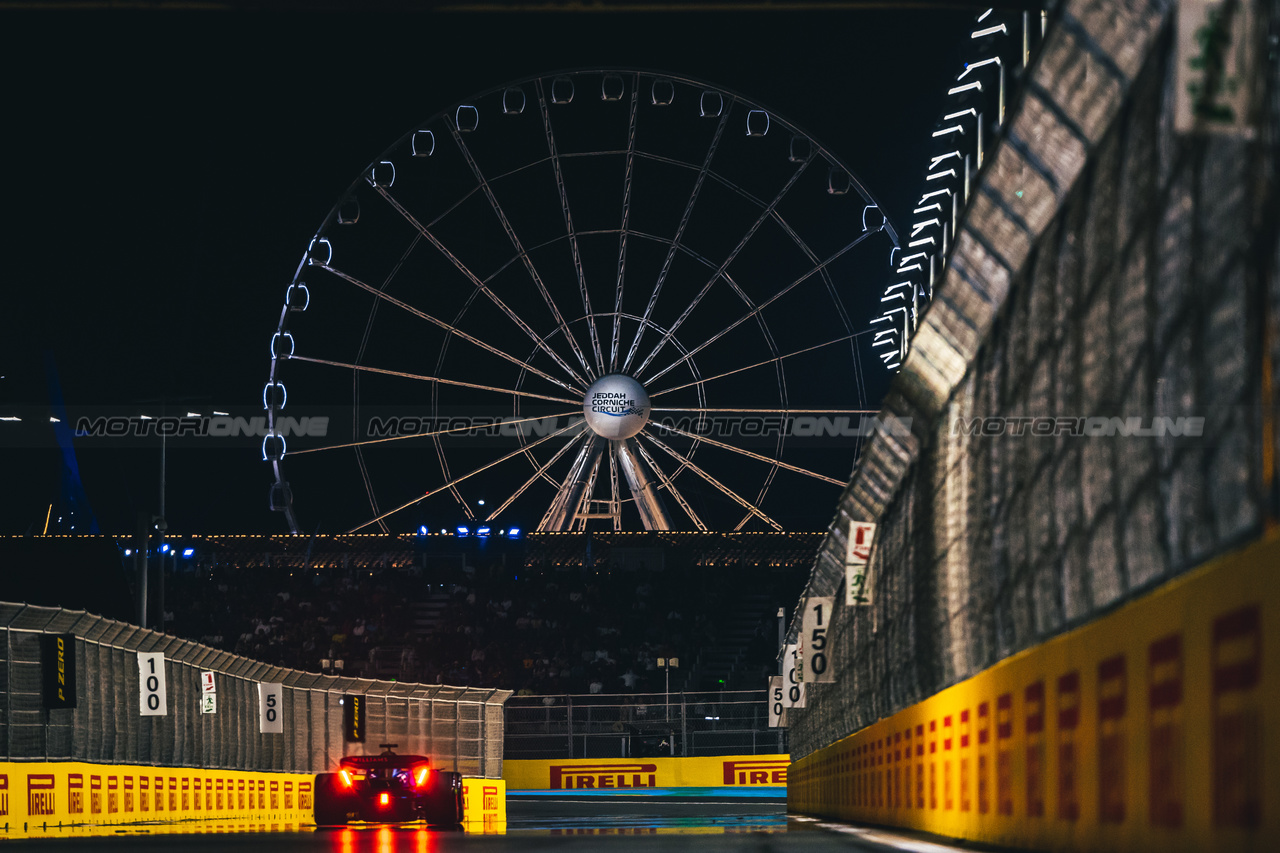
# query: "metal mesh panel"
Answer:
x=106 y=726
x=633 y=725
x=299 y=727
x=1134 y=301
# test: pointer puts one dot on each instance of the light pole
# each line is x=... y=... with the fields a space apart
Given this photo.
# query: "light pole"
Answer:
x=667 y=665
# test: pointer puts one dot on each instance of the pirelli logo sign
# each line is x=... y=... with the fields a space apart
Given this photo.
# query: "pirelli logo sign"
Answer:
x=770 y=772
x=603 y=776
x=41 y=799
x=613 y=776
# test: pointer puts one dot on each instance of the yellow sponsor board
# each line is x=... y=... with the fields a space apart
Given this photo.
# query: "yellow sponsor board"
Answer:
x=611 y=775
x=43 y=794
x=40 y=797
x=484 y=805
x=1153 y=728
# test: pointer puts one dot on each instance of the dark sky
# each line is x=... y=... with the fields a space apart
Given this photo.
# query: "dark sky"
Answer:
x=165 y=171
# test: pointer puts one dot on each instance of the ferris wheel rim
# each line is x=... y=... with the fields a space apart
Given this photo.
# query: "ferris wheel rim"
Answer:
x=817 y=153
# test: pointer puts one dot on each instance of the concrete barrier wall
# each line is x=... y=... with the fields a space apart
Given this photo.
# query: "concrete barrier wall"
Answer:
x=723 y=775
x=1109 y=265
x=53 y=794
x=459 y=728
x=1148 y=729
x=51 y=799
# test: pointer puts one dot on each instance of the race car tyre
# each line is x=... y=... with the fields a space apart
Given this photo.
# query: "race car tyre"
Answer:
x=444 y=799
x=334 y=806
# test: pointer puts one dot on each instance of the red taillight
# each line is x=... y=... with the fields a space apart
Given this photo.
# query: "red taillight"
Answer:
x=346 y=777
x=384 y=798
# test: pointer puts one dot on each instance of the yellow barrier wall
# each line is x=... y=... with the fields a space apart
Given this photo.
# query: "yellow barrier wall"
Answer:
x=39 y=795
x=1153 y=728
x=610 y=775
x=34 y=794
x=484 y=804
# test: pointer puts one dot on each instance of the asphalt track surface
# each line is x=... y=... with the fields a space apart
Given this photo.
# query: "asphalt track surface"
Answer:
x=575 y=826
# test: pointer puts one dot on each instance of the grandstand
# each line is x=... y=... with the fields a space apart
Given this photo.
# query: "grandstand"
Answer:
x=544 y=613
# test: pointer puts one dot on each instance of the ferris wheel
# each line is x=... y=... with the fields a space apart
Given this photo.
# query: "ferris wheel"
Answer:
x=593 y=299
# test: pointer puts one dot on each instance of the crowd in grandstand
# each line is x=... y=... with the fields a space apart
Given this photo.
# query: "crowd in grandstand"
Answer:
x=561 y=630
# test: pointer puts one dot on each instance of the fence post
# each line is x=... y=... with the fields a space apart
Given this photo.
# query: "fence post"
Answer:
x=568 y=722
x=8 y=693
x=484 y=728
x=684 y=725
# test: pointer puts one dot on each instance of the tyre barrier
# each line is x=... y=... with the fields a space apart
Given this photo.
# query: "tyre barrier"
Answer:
x=1152 y=728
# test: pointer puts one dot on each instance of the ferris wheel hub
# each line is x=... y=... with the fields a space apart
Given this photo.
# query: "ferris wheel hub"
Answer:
x=616 y=406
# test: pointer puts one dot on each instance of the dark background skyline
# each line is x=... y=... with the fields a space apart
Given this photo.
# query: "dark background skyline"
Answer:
x=167 y=169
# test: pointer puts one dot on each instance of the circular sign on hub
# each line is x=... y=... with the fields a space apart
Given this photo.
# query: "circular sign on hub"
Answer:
x=616 y=406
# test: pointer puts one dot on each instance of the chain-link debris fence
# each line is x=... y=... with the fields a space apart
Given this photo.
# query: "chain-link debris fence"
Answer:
x=640 y=725
x=459 y=728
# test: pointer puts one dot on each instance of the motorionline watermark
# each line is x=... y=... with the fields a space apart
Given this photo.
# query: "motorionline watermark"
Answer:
x=340 y=425
x=212 y=426
x=718 y=426
x=1097 y=426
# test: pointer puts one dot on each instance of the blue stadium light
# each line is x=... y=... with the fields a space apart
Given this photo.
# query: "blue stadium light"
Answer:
x=164 y=549
x=513 y=533
x=423 y=530
x=482 y=531
x=187 y=552
x=462 y=531
x=128 y=552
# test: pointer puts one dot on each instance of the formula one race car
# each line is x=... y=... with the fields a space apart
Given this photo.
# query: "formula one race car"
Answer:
x=388 y=788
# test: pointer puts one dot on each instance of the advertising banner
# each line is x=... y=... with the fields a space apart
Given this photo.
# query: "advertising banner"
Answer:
x=59 y=667
x=732 y=775
x=353 y=718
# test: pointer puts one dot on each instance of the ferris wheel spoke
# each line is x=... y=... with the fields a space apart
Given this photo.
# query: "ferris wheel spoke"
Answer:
x=754 y=311
x=669 y=486
x=728 y=492
x=615 y=497
x=524 y=256
x=653 y=515
x=422 y=377
x=722 y=271
x=584 y=508
x=675 y=243
x=751 y=455
x=538 y=474
x=482 y=286
x=559 y=515
x=504 y=423
x=767 y=361
x=448 y=327
x=578 y=422
x=568 y=226
x=626 y=219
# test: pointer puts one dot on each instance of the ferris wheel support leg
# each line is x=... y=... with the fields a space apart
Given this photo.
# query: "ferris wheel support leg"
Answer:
x=561 y=514
x=652 y=512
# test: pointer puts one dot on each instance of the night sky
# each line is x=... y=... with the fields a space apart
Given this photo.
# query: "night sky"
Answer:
x=165 y=171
